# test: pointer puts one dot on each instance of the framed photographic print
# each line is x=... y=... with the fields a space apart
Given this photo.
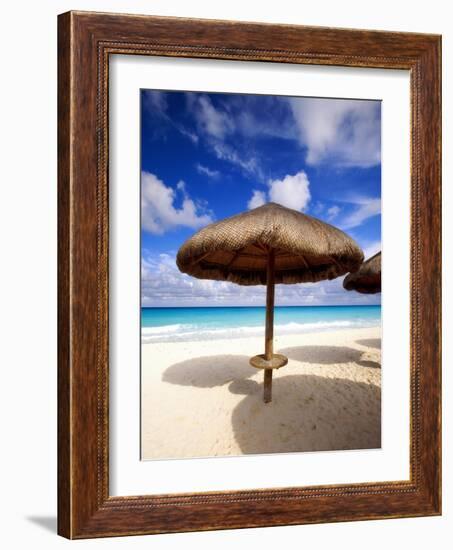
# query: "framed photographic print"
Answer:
x=249 y=275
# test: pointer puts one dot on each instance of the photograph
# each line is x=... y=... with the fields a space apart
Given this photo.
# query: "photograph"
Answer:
x=260 y=274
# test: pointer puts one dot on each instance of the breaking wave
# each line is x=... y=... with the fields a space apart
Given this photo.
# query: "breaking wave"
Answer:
x=192 y=332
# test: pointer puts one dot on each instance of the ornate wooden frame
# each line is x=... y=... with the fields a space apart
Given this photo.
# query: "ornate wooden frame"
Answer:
x=85 y=41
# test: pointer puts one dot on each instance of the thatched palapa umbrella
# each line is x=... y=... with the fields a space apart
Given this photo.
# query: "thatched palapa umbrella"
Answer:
x=269 y=245
x=367 y=279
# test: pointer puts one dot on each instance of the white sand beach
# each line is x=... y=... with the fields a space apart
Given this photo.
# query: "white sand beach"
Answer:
x=203 y=399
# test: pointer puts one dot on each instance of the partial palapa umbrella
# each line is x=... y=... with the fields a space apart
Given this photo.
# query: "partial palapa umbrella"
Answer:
x=367 y=280
x=269 y=245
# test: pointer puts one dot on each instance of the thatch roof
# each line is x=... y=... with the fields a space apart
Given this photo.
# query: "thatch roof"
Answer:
x=235 y=249
x=367 y=279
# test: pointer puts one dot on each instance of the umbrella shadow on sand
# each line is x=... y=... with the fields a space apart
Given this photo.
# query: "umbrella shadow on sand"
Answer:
x=209 y=371
x=370 y=342
x=309 y=413
x=328 y=355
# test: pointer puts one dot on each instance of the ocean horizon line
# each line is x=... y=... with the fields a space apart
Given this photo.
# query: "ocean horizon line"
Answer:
x=262 y=306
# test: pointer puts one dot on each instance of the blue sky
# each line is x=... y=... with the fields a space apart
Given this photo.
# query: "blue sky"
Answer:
x=207 y=156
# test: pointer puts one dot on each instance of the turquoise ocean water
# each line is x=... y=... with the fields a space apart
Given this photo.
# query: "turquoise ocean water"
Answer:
x=210 y=323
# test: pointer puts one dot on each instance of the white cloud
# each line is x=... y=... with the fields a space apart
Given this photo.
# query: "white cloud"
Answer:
x=156 y=103
x=187 y=133
x=291 y=191
x=201 y=169
x=216 y=125
x=181 y=186
x=371 y=249
x=213 y=121
x=258 y=199
x=164 y=285
x=317 y=208
x=249 y=166
x=159 y=212
x=156 y=100
x=345 y=132
x=333 y=212
x=278 y=122
x=367 y=207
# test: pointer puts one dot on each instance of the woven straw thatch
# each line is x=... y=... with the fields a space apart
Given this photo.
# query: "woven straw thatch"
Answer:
x=367 y=279
x=236 y=249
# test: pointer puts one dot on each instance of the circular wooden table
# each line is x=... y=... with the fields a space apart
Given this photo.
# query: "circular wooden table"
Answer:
x=276 y=361
x=260 y=362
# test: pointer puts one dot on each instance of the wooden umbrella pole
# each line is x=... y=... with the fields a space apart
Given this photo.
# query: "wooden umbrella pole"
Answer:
x=269 y=336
